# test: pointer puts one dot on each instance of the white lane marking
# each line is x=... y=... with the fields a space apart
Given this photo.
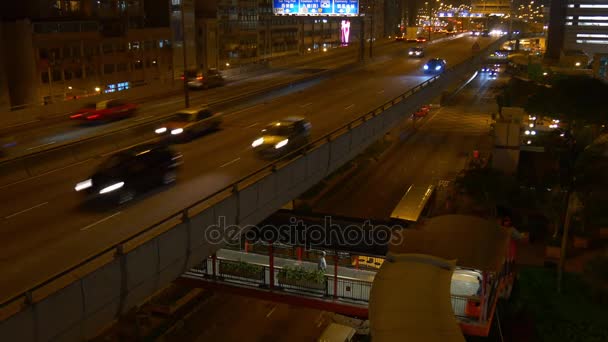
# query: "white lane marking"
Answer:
x=252 y=125
x=231 y=162
x=25 y=210
x=243 y=109
x=349 y=107
x=98 y=222
x=306 y=105
x=143 y=118
x=35 y=147
x=271 y=311
x=380 y=92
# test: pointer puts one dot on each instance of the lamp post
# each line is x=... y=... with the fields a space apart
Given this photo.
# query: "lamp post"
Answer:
x=186 y=93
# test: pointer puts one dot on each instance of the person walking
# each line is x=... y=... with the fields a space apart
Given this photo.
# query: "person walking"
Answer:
x=322 y=263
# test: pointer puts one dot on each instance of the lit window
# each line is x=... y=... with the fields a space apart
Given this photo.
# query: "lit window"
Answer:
x=579 y=41
x=571 y=6
x=570 y=17
x=591 y=6
x=568 y=23
x=592 y=18
x=592 y=24
x=591 y=35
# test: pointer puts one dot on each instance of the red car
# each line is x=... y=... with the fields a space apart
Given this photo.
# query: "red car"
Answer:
x=422 y=111
x=105 y=110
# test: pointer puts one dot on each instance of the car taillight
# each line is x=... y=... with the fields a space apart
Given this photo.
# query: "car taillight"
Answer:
x=75 y=116
x=183 y=78
x=199 y=78
x=93 y=117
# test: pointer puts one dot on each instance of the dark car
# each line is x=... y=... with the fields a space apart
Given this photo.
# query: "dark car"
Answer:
x=485 y=33
x=204 y=80
x=282 y=136
x=108 y=110
x=132 y=171
x=493 y=75
x=190 y=122
x=416 y=51
x=434 y=66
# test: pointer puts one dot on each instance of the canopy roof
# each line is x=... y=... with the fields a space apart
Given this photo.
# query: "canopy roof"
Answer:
x=410 y=300
x=472 y=241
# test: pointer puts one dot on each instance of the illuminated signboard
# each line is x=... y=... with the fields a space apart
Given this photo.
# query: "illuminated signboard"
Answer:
x=316 y=7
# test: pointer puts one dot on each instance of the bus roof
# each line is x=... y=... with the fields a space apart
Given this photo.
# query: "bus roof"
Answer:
x=413 y=203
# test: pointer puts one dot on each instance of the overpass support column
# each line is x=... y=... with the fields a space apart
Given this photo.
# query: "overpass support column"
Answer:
x=213 y=264
x=271 y=265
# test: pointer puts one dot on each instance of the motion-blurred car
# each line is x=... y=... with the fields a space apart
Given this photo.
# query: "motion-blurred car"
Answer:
x=434 y=66
x=129 y=172
x=416 y=51
x=204 y=80
x=400 y=38
x=105 y=111
x=486 y=68
x=422 y=111
x=189 y=123
x=282 y=136
x=493 y=74
x=475 y=33
x=485 y=33
x=421 y=39
x=6 y=143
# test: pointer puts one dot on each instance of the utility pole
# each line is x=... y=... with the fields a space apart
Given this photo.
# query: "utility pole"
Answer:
x=186 y=93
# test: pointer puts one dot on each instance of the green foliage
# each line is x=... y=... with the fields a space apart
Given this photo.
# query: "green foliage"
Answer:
x=241 y=267
x=571 y=316
x=302 y=274
x=487 y=186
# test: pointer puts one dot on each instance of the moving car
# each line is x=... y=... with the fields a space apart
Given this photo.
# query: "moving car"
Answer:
x=422 y=111
x=6 y=143
x=190 y=122
x=400 y=37
x=485 y=33
x=416 y=52
x=493 y=75
x=421 y=39
x=114 y=109
x=128 y=172
x=434 y=65
x=282 y=136
x=204 y=80
x=486 y=68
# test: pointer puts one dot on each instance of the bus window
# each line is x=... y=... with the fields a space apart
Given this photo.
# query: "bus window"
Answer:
x=414 y=204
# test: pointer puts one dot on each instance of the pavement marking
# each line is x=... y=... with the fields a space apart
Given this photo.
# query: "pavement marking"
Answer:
x=230 y=162
x=25 y=210
x=252 y=125
x=271 y=311
x=349 y=107
x=35 y=147
x=143 y=118
x=98 y=222
x=243 y=109
x=306 y=105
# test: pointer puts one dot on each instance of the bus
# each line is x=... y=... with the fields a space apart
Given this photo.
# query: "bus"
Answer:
x=415 y=203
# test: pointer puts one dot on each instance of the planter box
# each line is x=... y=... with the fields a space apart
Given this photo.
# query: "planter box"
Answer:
x=257 y=275
x=553 y=252
x=302 y=283
x=580 y=242
x=170 y=309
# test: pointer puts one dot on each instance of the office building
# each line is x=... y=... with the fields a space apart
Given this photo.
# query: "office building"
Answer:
x=58 y=50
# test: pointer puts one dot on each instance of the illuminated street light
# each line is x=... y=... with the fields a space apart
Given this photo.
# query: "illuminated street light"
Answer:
x=527 y=132
x=529 y=142
x=577 y=64
x=97 y=89
x=70 y=87
x=545 y=73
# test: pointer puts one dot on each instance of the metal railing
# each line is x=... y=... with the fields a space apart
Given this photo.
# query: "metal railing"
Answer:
x=184 y=214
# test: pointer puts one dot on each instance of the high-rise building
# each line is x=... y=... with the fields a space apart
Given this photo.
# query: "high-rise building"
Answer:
x=60 y=50
x=586 y=26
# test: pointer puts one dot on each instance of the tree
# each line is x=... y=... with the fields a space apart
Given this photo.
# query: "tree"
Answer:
x=487 y=187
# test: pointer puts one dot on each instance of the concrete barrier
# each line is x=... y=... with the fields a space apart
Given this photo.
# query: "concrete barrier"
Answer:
x=79 y=309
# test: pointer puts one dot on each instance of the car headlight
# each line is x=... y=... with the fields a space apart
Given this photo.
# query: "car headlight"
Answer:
x=418 y=53
x=177 y=131
x=111 y=188
x=84 y=185
x=425 y=67
x=410 y=53
x=257 y=142
x=438 y=67
x=281 y=144
x=161 y=130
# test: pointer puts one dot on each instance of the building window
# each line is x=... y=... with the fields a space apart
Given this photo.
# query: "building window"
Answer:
x=107 y=48
x=56 y=75
x=148 y=45
x=121 y=67
x=123 y=86
x=138 y=65
x=78 y=73
x=134 y=46
x=120 y=47
x=108 y=68
x=67 y=75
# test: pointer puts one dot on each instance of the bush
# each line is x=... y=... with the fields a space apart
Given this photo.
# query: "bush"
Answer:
x=302 y=274
x=240 y=267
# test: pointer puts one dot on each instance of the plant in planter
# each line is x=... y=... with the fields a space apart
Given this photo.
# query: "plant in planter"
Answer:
x=300 y=276
x=553 y=249
x=241 y=269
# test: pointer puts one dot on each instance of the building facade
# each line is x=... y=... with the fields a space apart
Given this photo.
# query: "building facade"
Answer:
x=60 y=50
x=587 y=26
